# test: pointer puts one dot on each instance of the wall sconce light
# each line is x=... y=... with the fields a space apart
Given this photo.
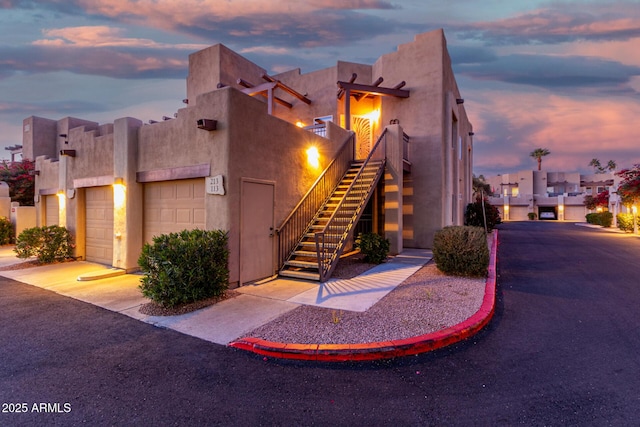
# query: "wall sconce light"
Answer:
x=471 y=133
x=118 y=181
x=70 y=153
x=34 y=172
x=313 y=157
x=459 y=101
x=207 y=124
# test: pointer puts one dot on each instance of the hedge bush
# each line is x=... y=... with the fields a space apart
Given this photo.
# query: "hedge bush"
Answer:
x=604 y=219
x=625 y=222
x=461 y=251
x=374 y=247
x=185 y=267
x=473 y=214
x=48 y=244
x=7 y=235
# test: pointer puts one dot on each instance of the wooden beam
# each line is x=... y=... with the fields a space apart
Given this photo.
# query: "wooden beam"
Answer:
x=262 y=89
x=356 y=88
x=287 y=89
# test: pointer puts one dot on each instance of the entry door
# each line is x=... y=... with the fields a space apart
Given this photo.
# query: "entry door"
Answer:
x=256 y=230
x=361 y=125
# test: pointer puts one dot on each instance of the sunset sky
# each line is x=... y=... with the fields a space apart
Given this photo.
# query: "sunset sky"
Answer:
x=562 y=75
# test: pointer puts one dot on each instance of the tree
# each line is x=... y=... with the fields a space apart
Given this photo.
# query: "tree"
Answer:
x=629 y=188
x=600 y=200
x=480 y=186
x=538 y=154
x=611 y=166
x=17 y=176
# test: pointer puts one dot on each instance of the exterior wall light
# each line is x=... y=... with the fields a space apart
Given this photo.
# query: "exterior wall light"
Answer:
x=459 y=101
x=119 y=194
x=299 y=124
x=313 y=157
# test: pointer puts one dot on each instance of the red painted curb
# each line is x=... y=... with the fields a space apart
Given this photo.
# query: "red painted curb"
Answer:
x=385 y=349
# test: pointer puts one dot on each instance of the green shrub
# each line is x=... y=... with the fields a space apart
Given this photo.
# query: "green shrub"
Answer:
x=532 y=216
x=48 y=244
x=473 y=214
x=605 y=219
x=184 y=267
x=374 y=247
x=7 y=234
x=461 y=251
x=625 y=222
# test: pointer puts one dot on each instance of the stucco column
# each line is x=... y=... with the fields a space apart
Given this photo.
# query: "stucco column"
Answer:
x=393 y=189
x=128 y=194
x=505 y=208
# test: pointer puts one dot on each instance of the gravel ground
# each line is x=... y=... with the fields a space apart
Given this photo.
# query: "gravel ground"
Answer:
x=428 y=301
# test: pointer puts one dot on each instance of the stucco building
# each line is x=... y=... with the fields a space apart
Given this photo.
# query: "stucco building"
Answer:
x=550 y=195
x=291 y=165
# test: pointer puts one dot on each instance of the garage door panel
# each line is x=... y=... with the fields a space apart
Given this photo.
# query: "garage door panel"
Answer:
x=99 y=224
x=184 y=216
x=52 y=212
x=173 y=206
x=198 y=216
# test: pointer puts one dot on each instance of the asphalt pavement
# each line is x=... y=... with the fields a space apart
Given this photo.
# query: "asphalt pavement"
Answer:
x=562 y=349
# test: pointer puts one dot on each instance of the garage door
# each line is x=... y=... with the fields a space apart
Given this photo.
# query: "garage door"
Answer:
x=99 y=224
x=173 y=206
x=518 y=213
x=51 y=212
x=574 y=213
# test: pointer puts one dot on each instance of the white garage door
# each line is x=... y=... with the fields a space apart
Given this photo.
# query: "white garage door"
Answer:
x=518 y=213
x=99 y=224
x=51 y=212
x=574 y=213
x=172 y=206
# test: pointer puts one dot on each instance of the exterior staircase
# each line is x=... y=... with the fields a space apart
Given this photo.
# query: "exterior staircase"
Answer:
x=317 y=252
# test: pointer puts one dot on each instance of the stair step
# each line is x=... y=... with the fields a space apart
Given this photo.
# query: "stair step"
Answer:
x=302 y=264
x=300 y=275
x=307 y=254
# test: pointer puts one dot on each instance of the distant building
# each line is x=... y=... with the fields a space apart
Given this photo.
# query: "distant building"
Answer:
x=550 y=195
x=247 y=153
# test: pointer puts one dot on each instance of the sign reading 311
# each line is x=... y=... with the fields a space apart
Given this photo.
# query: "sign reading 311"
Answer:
x=215 y=185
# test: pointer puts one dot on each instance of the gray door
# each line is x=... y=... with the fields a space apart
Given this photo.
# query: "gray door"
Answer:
x=256 y=230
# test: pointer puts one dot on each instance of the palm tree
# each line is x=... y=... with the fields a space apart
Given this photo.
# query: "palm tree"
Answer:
x=538 y=154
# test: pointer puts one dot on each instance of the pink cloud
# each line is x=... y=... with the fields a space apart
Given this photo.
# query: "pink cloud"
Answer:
x=575 y=130
x=101 y=36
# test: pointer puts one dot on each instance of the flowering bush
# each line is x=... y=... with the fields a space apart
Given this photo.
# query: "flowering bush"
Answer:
x=600 y=200
x=20 y=181
x=629 y=188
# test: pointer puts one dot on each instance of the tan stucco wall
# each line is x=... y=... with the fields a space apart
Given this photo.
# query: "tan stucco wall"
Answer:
x=218 y=65
x=426 y=116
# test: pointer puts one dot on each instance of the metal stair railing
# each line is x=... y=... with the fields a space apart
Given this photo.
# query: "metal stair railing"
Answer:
x=293 y=228
x=330 y=241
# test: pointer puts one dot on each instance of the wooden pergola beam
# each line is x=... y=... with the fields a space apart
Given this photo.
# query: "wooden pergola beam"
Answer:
x=286 y=88
x=266 y=90
x=356 y=88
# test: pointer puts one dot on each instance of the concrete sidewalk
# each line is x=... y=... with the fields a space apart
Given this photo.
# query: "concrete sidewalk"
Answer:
x=230 y=319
